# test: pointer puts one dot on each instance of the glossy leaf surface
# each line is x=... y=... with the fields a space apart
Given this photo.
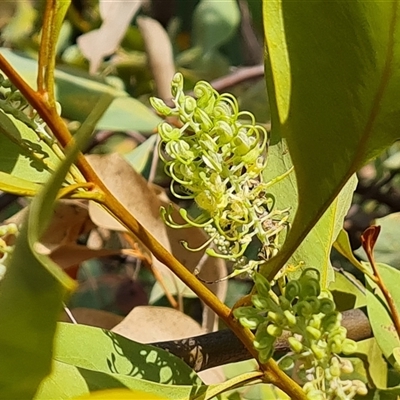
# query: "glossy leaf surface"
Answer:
x=333 y=87
x=315 y=249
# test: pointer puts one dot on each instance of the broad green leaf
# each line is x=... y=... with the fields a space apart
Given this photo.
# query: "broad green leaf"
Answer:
x=121 y=394
x=342 y=245
x=104 y=351
x=396 y=355
x=333 y=80
x=387 y=248
x=369 y=352
x=68 y=381
x=391 y=393
x=252 y=392
x=12 y=184
x=32 y=292
x=96 y=359
x=78 y=95
x=128 y=114
x=315 y=250
x=391 y=279
x=347 y=292
x=22 y=154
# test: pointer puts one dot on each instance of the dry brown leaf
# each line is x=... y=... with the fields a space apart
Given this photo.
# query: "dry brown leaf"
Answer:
x=67 y=255
x=146 y=324
x=133 y=191
x=102 y=42
x=160 y=55
x=70 y=220
x=93 y=317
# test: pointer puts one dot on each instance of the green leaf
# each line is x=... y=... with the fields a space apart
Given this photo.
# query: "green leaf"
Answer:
x=333 y=94
x=214 y=23
x=67 y=381
x=347 y=292
x=21 y=152
x=391 y=279
x=32 y=292
x=140 y=156
x=387 y=248
x=379 y=316
x=315 y=250
x=253 y=392
x=128 y=114
x=78 y=94
x=12 y=184
x=121 y=394
x=96 y=359
x=369 y=352
x=342 y=245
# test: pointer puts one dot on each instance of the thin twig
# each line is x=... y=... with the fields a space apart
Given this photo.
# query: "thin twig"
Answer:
x=69 y=314
x=234 y=78
x=223 y=347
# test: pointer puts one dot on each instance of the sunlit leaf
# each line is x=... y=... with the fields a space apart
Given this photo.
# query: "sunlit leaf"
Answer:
x=21 y=24
x=96 y=359
x=12 y=184
x=333 y=94
x=22 y=154
x=315 y=249
x=369 y=351
x=379 y=316
x=140 y=156
x=347 y=292
x=121 y=394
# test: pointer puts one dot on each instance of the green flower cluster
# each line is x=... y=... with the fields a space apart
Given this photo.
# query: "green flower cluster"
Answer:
x=215 y=155
x=316 y=335
x=7 y=235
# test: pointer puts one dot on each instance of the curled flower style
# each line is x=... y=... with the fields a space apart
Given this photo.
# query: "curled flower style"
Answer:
x=215 y=155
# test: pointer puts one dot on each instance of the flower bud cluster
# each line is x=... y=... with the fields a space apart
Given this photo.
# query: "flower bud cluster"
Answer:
x=216 y=155
x=316 y=338
x=7 y=238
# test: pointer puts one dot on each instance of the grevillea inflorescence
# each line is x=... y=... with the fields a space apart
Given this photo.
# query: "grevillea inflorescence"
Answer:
x=215 y=155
